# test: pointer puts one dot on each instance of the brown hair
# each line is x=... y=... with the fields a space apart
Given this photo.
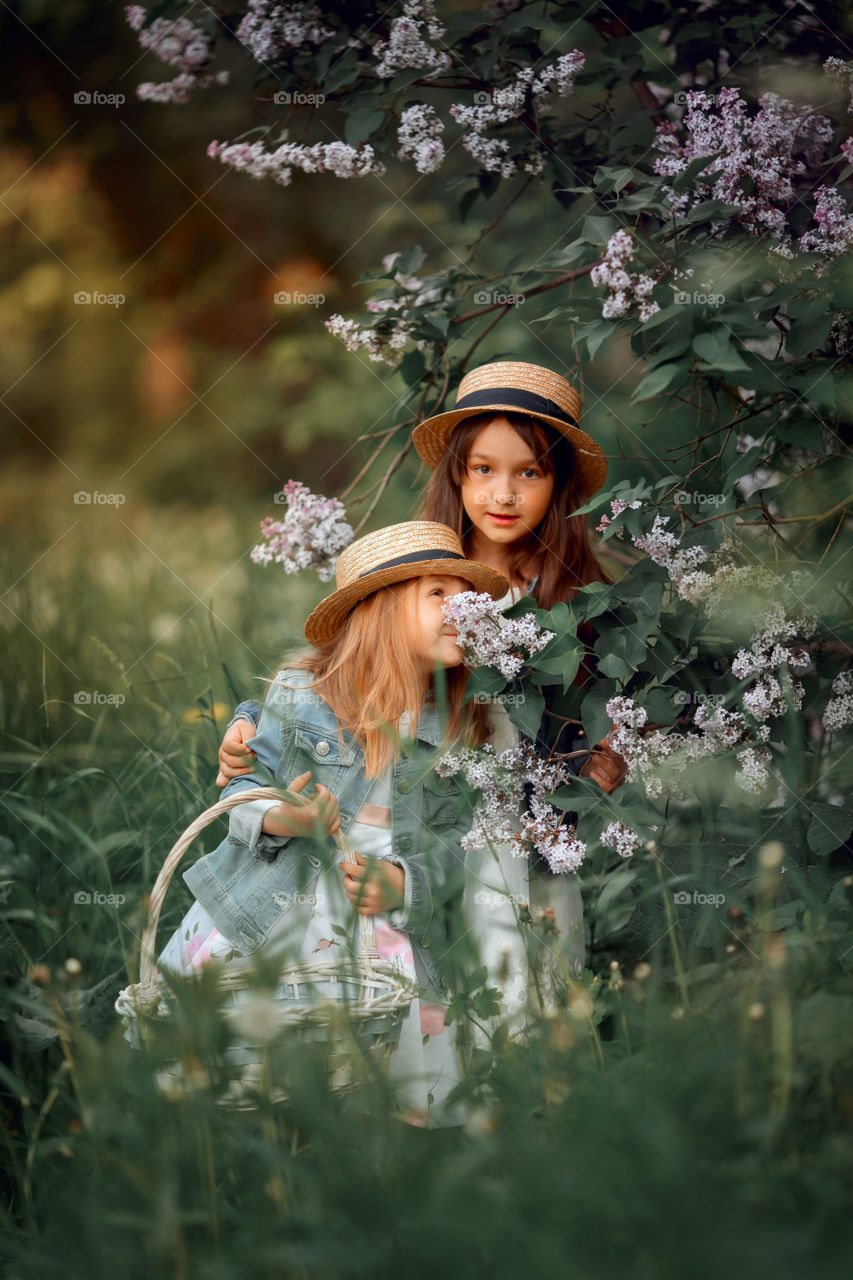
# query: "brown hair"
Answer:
x=370 y=677
x=561 y=553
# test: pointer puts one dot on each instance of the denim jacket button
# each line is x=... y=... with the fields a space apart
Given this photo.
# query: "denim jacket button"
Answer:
x=405 y=842
x=323 y=748
x=404 y=785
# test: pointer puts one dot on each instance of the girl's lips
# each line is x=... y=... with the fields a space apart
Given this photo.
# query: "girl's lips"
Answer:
x=501 y=519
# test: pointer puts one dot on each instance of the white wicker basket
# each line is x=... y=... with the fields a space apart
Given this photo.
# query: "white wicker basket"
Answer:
x=365 y=1016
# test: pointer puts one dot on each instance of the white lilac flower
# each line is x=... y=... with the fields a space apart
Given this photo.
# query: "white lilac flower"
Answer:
x=506 y=103
x=269 y=29
x=179 y=43
x=384 y=346
x=500 y=813
x=408 y=43
x=488 y=638
x=419 y=138
x=311 y=535
x=842 y=73
x=753 y=769
x=839 y=709
x=321 y=157
x=620 y=837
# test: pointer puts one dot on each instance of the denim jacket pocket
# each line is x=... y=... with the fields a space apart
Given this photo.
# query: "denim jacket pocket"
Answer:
x=443 y=801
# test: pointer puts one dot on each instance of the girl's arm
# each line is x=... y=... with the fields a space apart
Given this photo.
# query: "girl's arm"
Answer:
x=254 y=824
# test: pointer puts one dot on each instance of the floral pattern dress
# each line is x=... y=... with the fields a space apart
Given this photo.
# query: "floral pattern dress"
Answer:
x=425 y=1065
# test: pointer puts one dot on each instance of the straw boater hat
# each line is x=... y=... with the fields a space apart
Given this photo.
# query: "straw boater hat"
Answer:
x=511 y=385
x=410 y=550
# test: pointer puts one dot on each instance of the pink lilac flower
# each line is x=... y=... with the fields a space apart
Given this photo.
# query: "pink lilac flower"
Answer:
x=617 y=506
x=311 y=535
x=180 y=43
x=834 y=235
x=758 y=153
x=419 y=137
x=488 y=638
x=625 y=287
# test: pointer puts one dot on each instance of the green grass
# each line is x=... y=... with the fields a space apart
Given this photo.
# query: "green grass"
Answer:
x=693 y=1119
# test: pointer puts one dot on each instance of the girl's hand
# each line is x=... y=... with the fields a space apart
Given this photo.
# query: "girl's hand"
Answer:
x=234 y=756
x=300 y=820
x=605 y=766
x=373 y=887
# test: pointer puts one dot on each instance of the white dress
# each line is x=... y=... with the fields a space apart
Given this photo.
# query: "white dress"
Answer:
x=527 y=966
x=425 y=1064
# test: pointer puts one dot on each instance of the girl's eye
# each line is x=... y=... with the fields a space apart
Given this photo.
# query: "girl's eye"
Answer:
x=482 y=466
x=533 y=472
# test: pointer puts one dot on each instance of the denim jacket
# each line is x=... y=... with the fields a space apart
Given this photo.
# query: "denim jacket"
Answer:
x=253 y=879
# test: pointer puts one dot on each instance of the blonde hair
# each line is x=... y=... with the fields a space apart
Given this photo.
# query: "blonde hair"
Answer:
x=369 y=676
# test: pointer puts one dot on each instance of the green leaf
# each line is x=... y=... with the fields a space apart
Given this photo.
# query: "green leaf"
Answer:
x=659 y=380
x=362 y=124
x=527 y=714
x=716 y=348
x=598 y=230
x=829 y=828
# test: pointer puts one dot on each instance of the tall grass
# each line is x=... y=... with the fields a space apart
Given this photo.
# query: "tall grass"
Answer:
x=688 y=1112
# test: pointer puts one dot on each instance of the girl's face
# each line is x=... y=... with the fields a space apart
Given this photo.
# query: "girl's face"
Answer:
x=434 y=639
x=505 y=491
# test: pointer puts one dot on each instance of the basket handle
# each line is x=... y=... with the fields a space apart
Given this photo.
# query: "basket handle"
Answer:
x=367 y=932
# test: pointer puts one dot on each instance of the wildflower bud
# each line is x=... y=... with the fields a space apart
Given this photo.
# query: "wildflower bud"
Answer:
x=73 y=967
x=40 y=973
x=614 y=965
x=735 y=913
x=756 y=1011
x=653 y=848
x=770 y=855
x=677 y=1014
x=642 y=971
x=580 y=1006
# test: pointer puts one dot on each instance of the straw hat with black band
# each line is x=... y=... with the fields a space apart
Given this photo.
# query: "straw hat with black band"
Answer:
x=513 y=386
x=413 y=549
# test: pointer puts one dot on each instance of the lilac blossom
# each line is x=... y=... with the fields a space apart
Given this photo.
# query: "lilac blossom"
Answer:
x=312 y=534
x=625 y=287
x=842 y=73
x=834 y=235
x=758 y=152
x=398 y=312
x=179 y=43
x=419 y=137
x=500 y=813
x=839 y=710
x=321 y=157
x=408 y=43
x=488 y=638
x=617 y=506
x=505 y=104
x=268 y=29
x=625 y=840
